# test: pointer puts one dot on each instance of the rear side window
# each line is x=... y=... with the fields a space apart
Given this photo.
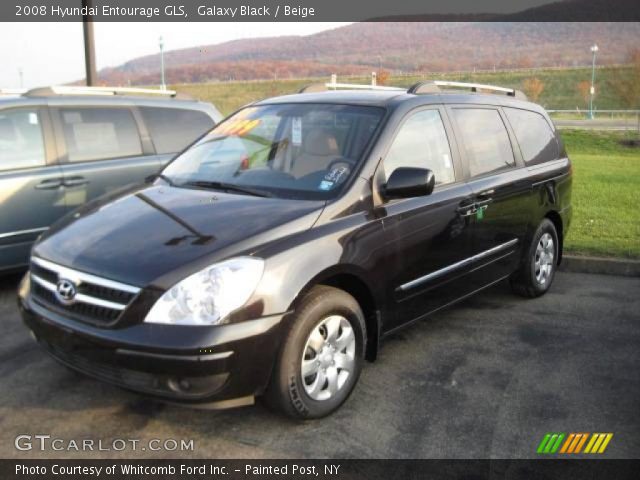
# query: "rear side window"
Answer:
x=486 y=140
x=535 y=137
x=100 y=133
x=422 y=142
x=21 y=143
x=173 y=129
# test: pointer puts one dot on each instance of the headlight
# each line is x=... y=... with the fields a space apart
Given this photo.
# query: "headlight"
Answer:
x=207 y=297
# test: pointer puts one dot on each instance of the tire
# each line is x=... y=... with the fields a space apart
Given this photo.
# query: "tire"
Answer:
x=538 y=268
x=326 y=317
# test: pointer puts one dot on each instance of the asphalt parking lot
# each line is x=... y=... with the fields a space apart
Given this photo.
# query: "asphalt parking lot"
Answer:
x=485 y=379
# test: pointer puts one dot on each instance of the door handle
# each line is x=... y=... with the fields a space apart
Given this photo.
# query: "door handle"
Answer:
x=484 y=198
x=49 y=184
x=467 y=210
x=75 y=181
x=486 y=194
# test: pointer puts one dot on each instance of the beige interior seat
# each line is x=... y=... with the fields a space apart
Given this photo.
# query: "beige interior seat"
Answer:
x=319 y=148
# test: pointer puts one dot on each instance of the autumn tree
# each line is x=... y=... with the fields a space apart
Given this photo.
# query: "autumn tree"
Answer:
x=533 y=87
x=626 y=81
x=382 y=77
x=584 y=87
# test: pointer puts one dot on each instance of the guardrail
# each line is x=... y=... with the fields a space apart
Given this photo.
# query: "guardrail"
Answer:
x=603 y=119
x=586 y=112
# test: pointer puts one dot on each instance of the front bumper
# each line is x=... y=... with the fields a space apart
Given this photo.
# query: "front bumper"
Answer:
x=192 y=364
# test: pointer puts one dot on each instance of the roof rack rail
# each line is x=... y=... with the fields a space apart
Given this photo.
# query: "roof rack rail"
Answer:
x=430 y=86
x=323 y=87
x=82 y=90
x=12 y=91
x=433 y=86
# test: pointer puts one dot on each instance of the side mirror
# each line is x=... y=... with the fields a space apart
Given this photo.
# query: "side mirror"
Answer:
x=407 y=182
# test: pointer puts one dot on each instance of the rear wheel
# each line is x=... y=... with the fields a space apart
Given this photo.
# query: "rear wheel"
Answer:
x=321 y=357
x=535 y=275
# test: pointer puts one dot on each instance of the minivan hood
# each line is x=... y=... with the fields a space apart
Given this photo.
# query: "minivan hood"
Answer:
x=151 y=231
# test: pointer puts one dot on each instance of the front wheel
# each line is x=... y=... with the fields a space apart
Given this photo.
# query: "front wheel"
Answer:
x=535 y=275
x=321 y=358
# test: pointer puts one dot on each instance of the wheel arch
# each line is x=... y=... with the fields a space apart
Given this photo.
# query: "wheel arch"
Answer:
x=352 y=281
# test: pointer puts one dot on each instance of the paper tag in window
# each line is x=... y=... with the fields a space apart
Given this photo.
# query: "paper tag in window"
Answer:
x=325 y=185
x=33 y=118
x=447 y=160
x=296 y=131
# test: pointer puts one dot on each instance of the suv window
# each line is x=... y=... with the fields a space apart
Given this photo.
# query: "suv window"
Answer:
x=537 y=141
x=100 y=133
x=422 y=143
x=486 y=140
x=173 y=129
x=21 y=142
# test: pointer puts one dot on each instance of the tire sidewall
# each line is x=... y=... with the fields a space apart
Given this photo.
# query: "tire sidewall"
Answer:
x=290 y=375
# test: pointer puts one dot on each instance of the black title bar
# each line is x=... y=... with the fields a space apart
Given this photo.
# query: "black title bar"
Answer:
x=319 y=10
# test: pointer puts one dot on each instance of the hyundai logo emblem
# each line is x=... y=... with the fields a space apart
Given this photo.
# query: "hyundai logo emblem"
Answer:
x=65 y=291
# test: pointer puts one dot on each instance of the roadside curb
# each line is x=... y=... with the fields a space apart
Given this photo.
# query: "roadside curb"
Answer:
x=605 y=266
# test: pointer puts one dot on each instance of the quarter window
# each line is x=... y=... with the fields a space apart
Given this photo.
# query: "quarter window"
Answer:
x=21 y=142
x=486 y=140
x=173 y=129
x=535 y=137
x=422 y=143
x=100 y=133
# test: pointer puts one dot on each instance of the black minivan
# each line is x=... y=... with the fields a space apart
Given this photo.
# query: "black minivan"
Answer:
x=273 y=255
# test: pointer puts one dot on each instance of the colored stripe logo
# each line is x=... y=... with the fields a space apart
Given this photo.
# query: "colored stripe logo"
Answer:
x=573 y=443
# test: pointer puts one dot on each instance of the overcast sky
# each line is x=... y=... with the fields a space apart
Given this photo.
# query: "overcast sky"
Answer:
x=52 y=53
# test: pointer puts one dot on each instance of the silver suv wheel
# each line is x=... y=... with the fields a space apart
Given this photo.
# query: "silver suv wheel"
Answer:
x=328 y=357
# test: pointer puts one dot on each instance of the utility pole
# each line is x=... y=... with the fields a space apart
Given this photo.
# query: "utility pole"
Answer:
x=89 y=46
x=163 y=86
x=594 y=50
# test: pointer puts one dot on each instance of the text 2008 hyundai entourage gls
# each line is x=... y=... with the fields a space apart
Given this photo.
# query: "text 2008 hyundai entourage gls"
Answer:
x=272 y=256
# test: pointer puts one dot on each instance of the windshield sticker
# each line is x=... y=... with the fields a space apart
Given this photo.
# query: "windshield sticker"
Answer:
x=33 y=118
x=447 y=160
x=236 y=127
x=325 y=185
x=336 y=174
x=296 y=131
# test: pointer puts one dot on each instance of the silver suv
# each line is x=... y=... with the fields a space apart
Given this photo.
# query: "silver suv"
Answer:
x=63 y=146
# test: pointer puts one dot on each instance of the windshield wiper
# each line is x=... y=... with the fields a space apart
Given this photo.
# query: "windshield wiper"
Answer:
x=231 y=187
x=161 y=176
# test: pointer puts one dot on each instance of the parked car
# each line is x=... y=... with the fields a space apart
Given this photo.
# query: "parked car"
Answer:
x=357 y=213
x=61 y=147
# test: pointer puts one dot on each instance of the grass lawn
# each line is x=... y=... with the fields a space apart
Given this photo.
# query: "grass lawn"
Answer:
x=606 y=194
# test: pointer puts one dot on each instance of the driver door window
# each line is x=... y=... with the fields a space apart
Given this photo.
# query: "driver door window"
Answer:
x=422 y=142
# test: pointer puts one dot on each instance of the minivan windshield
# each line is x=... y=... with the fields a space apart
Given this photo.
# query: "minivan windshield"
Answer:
x=302 y=151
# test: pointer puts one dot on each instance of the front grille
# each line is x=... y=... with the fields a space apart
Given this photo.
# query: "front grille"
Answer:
x=97 y=300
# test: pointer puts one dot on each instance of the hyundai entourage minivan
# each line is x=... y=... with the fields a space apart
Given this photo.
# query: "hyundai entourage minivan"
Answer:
x=276 y=271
